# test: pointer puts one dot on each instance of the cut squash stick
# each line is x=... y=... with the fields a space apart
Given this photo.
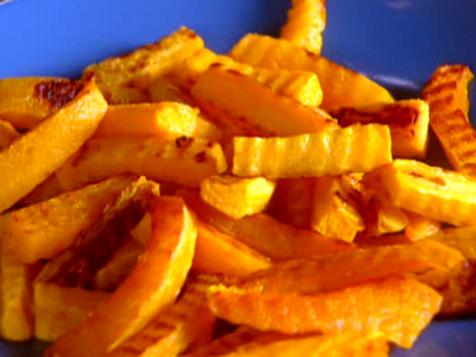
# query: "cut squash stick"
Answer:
x=251 y=107
x=306 y=23
x=265 y=234
x=215 y=251
x=341 y=86
x=381 y=216
x=44 y=229
x=408 y=121
x=447 y=95
x=58 y=309
x=125 y=79
x=354 y=267
x=399 y=308
x=301 y=86
x=164 y=120
x=430 y=191
x=237 y=197
x=153 y=284
x=26 y=101
x=358 y=148
x=185 y=161
x=331 y=214
x=37 y=154
x=16 y=297
x=462 y=239
x=173 y=330
x=218 y=253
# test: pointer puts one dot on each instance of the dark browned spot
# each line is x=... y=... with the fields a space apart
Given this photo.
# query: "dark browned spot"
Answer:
x=201 y=157
x=392 y=115
x=58 y=92
x=183 y=142
x=210 y=144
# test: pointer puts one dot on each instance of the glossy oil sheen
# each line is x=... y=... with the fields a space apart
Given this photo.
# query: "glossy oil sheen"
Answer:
x=397 y=42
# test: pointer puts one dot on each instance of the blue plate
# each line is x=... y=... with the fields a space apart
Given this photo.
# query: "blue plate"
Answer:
x=397 y=42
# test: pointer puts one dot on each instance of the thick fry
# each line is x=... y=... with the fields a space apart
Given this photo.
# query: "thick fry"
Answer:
x=431 y=191
x=152 y=285
x=354 y=267
x=215 y=251
x=16 y=298
x=420 y=227
x=234 y=97
x=173 y=330
x=408 y=121
x=185 y=161
x=26 y=101
x=111 y=275
x=265 y=234
x=237 y=197
x=125 y=79
x=58 y=309
x=8 y=134
x=219 y=253
x=287 y=208
x=302 y=86
x=165 y=89
x=332 y=215
x=43 y=230
x=358 y=148
x=447 y=94
x=33 y=157
x=399 y=308
x=382 y=216
x=340 y=345
x=341 y=86
x=306 y=23
x=164 y=120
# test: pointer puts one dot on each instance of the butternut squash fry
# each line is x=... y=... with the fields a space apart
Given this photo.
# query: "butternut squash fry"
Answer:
x=125 y=79
x=358 y=148
x=44 y=229
x=341 y=86
x=16 y=298
x=345 y=269
x=431 y=191
x=237 y=197
x=219 y=253
x=302 y=86
x=173 y=330
x=265 y=234
x=462 y=239
x=399 y=308
x=447 y=94
x=408 y=121
x=26 y=101
x=331 y=214
x=37 y=154
x=164 y=120
x=185 y=161
x=306 y=23
x=152 y=285
x=235 y=97
x=381 y=216
x=58 y=309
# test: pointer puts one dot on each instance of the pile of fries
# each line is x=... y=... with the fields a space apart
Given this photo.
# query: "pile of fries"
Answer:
x=268 y=202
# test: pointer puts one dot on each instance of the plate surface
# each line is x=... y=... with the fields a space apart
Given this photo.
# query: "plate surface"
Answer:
x=397 y=42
